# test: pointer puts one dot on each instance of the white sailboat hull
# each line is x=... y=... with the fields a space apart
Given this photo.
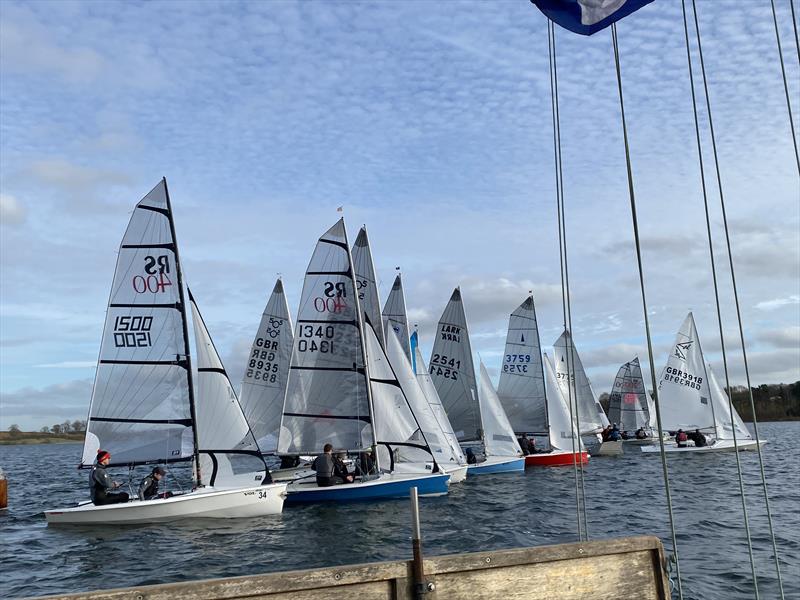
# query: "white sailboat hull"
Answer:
x=718 y=446
x=457 y=473
x=606 y=448
x=204 y=503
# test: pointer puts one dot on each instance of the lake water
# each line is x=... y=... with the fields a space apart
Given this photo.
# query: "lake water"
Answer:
x=624 y=497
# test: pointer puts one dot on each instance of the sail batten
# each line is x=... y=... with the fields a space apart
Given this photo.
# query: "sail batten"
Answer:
x=327 y=396
x=141 y=408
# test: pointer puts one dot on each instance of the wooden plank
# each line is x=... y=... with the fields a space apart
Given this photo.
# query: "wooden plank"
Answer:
x=578 y=571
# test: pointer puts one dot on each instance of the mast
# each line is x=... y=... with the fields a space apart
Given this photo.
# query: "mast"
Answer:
x=708 y=383
x=541 y=367
x=188 y=359
x=360 y=322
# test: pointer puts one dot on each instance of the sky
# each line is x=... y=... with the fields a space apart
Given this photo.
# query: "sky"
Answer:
x=430 y=123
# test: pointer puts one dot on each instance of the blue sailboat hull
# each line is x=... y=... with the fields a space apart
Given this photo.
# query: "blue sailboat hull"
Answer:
x=390 y=486
x=493 y=466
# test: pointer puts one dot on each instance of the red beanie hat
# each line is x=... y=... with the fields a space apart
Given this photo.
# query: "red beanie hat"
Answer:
x=102 y=455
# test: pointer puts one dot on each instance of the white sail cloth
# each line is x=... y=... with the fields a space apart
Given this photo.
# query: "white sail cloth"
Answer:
x=326 y=396
x=222 y=429
x=568 y=368
x=267 y=370
x=427 y=387
x=140 y=408
x=498 y=435
x=563 y=434
x=722 y=412
x=453 y=372
x=394 y=315
x=521 y=385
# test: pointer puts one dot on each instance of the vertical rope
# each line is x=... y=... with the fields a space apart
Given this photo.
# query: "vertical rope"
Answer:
x=656 y=400
x=738 y=308
x=717 y=303
x=559 y=191
x=794 y=27
x=785 y=83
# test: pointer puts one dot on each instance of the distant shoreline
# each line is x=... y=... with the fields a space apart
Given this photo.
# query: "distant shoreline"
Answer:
x=36 y=437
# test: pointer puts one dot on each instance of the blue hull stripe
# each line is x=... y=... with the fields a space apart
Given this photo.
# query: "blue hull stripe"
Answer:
x=509 y=467
x=354 y=492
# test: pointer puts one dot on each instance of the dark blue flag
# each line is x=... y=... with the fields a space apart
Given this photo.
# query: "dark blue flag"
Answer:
x=588 y=16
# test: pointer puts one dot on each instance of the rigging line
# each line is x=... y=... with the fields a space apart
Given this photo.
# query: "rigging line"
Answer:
x=570 y=367
x=556 y=165
x=656 y=401
x=719 y=311
x=794 y=27
x=738 y=308
x=783 y=72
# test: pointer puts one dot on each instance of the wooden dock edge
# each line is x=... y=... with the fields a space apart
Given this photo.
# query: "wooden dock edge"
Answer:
x=595 y=570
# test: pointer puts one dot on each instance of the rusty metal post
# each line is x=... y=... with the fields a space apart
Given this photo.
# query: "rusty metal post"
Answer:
x=3 y=490
x=421 y=586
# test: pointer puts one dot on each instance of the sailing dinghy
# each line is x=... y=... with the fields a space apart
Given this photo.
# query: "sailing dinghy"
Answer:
x=692 y=398
x=453 y=374
x=144 y=408
x=342 y=389
x=575 y=386
x=566 y=446
x=630 y=406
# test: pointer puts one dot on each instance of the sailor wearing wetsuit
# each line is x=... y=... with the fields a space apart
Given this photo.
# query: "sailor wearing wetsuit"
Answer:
x=100 y=482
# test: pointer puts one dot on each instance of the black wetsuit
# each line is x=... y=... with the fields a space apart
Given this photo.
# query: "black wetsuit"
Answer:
x=325 y=467
x=148 y=489
x=525 y=444
x=99 y=485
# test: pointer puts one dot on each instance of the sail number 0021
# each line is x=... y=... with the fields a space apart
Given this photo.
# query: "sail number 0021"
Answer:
x=315 y=339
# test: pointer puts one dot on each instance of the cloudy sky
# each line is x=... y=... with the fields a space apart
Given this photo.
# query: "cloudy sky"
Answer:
x=430 y=122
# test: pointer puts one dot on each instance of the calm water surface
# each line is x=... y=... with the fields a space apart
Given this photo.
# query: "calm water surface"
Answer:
x=624 y=497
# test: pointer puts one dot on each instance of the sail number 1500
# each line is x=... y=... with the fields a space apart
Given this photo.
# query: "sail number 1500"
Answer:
x=315 y=339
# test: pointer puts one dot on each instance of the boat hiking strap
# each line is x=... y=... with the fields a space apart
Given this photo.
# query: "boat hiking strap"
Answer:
x=577 y=462
x=738 y=314
x=656 y=401
x=783 y=72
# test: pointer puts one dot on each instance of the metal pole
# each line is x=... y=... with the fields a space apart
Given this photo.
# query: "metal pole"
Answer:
x=421 y=587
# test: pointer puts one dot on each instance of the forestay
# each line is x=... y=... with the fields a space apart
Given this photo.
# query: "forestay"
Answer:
x=226 y=445
x=427 y=387
x=521 y=385
x=628 y=406
x=430 y=432
x=366 y=282
x=453 y=372
x=590 y=415
x=326 y=396
x=267 y=369
x=683 y=388
x=498 y=435
x=394 y=315
x=563 y=437
x=141 y=401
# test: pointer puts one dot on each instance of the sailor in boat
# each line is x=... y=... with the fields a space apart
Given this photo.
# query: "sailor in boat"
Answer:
x=100 y=483
x=330 y=469
x=698 y=438
x=614 y=435
x=340 y=469
x=681 y=438
x=525 y=444
x=365 y=465
x=148 y=488
x=641 y=434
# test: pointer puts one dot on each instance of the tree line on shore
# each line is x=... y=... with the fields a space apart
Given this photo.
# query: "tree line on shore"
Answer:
x=76 y=426
x=773 y=402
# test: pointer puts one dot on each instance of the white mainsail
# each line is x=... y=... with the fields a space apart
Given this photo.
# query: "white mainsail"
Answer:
x=683 y=388
x=366 y=282
x=453 y=372
x=326 y=396
x=498 y=435
x=521 y=385
x=394 y=315
x=627 y=404
x=267 y=370
x=431 y=395
x=591 y=416
x=224 y=438
x=430 y=432
x=141 y=408
x=562 y=428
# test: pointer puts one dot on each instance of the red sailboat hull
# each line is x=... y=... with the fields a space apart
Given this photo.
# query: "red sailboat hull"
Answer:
x=556 y=459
